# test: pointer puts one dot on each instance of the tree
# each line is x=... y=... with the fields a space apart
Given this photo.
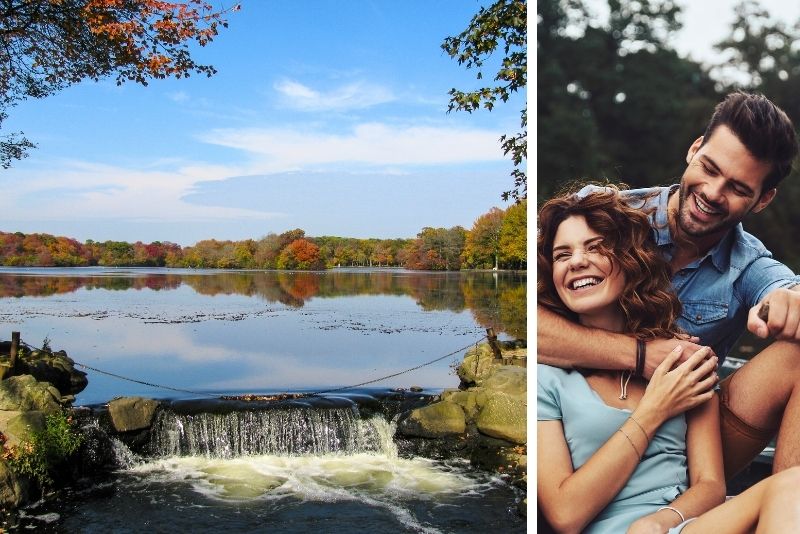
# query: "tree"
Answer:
x=436 y=249
x=504 y=23
x=299 y=254
x=763 y=57
x=514 y=235
x=51 y=44
x=482 y=247
x=614 y=100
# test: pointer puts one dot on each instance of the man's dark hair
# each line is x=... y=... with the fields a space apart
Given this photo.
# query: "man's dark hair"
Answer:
x=762 y=127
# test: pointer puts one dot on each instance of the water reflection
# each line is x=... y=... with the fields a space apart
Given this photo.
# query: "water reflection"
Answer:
x=496 y=300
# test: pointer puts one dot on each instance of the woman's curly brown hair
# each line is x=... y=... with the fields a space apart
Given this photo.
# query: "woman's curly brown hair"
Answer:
x=648 y=302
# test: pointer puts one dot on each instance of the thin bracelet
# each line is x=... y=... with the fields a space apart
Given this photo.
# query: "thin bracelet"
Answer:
x=641 y=352
x=638 y=454
x=640 y=427
x=674 y=510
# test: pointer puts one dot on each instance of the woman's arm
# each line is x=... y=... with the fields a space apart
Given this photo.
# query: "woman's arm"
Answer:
x=610 y=467
x=706 y=473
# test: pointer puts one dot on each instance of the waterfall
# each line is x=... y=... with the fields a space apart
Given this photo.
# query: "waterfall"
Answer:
x=282 y=431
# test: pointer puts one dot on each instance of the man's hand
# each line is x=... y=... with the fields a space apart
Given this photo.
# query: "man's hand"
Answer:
x=783 y=319
x=658 y=349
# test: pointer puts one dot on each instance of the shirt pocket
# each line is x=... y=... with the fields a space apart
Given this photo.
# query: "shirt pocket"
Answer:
x=703 y=312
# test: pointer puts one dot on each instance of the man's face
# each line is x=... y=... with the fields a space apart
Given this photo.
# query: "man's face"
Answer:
x=722 y=183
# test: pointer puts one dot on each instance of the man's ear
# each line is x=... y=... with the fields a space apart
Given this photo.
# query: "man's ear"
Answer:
x=765 y=199
x=694 y=148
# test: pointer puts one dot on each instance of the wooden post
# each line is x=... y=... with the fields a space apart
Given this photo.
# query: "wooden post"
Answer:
x=490 y=335
x=14 y=350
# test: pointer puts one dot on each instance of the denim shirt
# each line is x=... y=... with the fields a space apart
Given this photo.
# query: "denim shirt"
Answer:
x=717 y=290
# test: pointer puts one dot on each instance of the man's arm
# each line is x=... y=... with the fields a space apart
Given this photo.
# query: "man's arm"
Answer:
x=777 y=314
x=772 y=291
x=566 y=344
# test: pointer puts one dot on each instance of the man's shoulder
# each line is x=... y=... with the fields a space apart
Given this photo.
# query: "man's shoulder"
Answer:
x=747 y=246
x=642 y=193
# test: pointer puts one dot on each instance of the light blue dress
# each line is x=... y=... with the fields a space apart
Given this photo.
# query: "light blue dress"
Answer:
x=589 y=422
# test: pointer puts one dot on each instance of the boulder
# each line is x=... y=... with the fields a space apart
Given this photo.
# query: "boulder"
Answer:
x=471 y=401
x=442 y=419
x=56 y=368
x=23 y=426
x=504 y=417
x=478 y=363
x=24 y=393
x=14 y=490
x=513 y=381
x=132 y=413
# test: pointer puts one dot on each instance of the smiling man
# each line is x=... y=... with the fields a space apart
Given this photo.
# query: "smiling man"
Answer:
x=723 y=276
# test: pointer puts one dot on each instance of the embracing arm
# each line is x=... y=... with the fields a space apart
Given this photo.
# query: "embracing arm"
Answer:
x=706 y=473
x=611 y=466
x=566 y=344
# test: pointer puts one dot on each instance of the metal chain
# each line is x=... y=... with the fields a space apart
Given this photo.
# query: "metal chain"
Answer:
x=312 y=394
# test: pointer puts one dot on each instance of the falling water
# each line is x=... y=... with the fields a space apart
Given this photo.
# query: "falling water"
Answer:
x=283 y=431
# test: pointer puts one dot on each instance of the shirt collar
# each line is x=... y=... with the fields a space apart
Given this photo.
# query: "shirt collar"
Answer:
x=720 y=253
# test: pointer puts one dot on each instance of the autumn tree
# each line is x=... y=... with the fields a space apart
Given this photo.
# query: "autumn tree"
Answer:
x=482 y=247
x=501 y=25
x=436 y=249
x=51 y=44
x=514 y=236
x=299 y=254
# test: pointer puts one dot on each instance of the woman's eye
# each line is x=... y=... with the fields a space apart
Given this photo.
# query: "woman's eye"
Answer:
x=560 y=256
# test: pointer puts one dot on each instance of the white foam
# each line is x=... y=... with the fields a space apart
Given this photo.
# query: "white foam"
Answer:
x=376 y=480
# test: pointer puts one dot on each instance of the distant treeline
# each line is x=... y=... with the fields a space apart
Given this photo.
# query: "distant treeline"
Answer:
x=497 y=238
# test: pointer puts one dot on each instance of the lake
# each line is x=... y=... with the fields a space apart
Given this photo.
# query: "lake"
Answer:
x=234 y=332
x=211 y=333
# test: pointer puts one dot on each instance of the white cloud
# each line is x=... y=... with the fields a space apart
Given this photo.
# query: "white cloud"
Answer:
x=369 y=143
x=95 y=191
x=178 y=96
x=356 y=95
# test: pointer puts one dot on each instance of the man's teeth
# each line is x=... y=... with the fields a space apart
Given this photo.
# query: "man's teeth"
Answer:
x=583 y=282
x=705 y=208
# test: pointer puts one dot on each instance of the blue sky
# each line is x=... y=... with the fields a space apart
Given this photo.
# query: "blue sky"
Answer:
x=325 y=115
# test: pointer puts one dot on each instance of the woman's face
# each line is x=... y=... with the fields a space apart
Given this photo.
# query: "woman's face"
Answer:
x=588 y=282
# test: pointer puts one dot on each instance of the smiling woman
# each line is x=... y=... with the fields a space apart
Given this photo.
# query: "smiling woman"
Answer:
x=596 y=250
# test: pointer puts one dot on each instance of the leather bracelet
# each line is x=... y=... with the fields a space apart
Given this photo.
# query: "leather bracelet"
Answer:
x=640 y=357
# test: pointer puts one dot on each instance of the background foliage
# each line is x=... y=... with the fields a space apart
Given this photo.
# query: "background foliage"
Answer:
x=438 y=249
x=615 y=101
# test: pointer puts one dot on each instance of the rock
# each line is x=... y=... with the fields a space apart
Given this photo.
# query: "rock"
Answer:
x=21 y=427
x=513 y=381
x=46 y=366
x=55 y=368
x=25 y=393
x=478 y=363
x=442 y=419
x=132 y=413
x=14 y=490
x=5 y=370
x=504 y=417
x=471 y=401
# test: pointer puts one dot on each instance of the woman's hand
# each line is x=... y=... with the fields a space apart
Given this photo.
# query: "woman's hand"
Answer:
x=674 y=391
x=649 y=524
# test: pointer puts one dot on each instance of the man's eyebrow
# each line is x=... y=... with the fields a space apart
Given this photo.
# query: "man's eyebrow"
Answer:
x=715 y=167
